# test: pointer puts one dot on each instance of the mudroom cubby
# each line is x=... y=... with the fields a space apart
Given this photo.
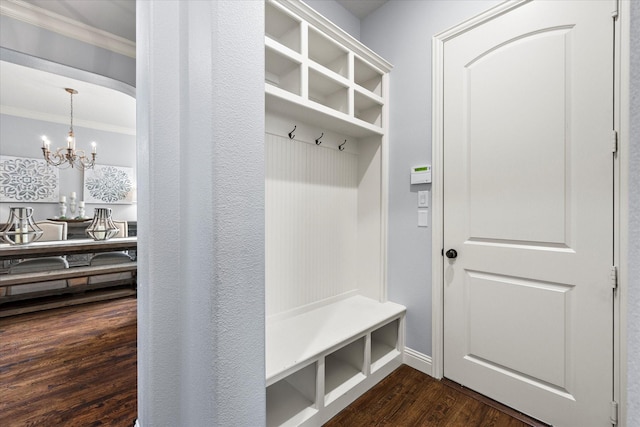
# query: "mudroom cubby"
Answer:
x=343 y=370
x=282 y=71
x=292 y=400
x=331 y=334
x=384 y=344
x=319 y=361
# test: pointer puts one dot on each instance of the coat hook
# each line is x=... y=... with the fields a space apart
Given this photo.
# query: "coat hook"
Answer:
x=291 y=135
x=341 y=146
x=318 y=142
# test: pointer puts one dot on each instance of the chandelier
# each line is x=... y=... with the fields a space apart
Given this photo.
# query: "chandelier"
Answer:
x=69 y=156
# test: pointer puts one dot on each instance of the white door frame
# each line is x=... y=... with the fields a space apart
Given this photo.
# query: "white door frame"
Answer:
x=621 y=190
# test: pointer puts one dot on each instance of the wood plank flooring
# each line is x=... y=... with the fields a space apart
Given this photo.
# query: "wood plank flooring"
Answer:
x=409 y=398
x=76 y=366
x=73 y=366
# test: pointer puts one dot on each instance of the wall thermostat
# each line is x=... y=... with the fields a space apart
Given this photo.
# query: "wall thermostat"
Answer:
x=421 y=174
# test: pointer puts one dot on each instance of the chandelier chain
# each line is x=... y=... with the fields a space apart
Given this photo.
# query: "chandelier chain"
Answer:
x=71 y=127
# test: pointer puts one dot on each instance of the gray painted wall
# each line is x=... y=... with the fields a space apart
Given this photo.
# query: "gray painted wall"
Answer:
x=20 y=137
x=405 y=41
x=338 y=15
x=633 y=307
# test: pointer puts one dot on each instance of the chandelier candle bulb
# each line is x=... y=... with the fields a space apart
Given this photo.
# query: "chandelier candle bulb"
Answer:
x=93 y=148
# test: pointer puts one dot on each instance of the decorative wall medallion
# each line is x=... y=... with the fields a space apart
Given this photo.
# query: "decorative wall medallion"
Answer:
x=28 y=180
x=109 y=184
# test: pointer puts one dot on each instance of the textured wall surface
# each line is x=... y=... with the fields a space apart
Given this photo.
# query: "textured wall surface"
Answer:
x=633 y=306
x=201 y=244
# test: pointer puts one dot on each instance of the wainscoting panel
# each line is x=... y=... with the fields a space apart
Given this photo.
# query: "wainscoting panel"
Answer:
x=311 y=223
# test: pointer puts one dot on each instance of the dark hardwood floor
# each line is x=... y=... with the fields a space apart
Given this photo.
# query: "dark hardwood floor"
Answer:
x=73 y=366
x=76 y=366
x=409 y=398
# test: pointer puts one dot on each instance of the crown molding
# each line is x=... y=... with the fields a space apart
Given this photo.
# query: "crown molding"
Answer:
x=26 y=12
x=64 y=120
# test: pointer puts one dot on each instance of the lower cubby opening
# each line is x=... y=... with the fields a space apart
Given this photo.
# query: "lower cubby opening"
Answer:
x=384 y=344
x=318 y=361
x=343 y=370
x=291 y=400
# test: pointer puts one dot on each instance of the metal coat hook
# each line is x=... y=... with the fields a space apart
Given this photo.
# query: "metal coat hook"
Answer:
x=291 y=135
x=318 y=142
x=341 y=146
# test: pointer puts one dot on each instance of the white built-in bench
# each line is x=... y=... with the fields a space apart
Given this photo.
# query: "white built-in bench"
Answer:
x=320 y=361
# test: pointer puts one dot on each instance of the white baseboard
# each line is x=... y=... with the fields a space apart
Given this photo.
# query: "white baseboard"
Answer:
x=418 y=361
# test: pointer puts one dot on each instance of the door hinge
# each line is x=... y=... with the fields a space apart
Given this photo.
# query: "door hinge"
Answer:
x=614 y=13
x=614 y=413
x=614 y=141
x=614 y=277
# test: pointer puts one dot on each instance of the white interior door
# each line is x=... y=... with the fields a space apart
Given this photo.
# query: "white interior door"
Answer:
x=528 y=206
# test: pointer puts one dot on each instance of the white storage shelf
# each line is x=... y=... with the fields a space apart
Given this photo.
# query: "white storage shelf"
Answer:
x=282 y=27
x=327 y=354
x=354 y=340
x=291 y=400
x=343 y=370
x=313 y=67
x=328 y=54
x=367 y=77
x=281 y=71
x=384 y=345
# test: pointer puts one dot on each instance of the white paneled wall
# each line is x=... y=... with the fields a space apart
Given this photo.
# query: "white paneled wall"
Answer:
x=311 y=223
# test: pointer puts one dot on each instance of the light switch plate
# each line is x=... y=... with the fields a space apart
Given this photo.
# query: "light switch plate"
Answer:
x=423 y=218
x=423 y=199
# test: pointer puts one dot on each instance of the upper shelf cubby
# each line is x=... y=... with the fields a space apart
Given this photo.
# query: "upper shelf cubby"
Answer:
x=316 y=71
x=367 y=77
x=282 y=71
x=328 y=54
x=282 y=27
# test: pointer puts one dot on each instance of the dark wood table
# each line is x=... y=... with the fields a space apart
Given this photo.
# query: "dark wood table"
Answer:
x=66 y=247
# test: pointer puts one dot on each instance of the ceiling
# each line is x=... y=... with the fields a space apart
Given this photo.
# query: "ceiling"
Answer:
x=361 y=8
x=113 y=16
x=39 y=95
x=119 y=16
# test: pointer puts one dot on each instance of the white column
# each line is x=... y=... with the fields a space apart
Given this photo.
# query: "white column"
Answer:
x=633 y=256
x=200 y=94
